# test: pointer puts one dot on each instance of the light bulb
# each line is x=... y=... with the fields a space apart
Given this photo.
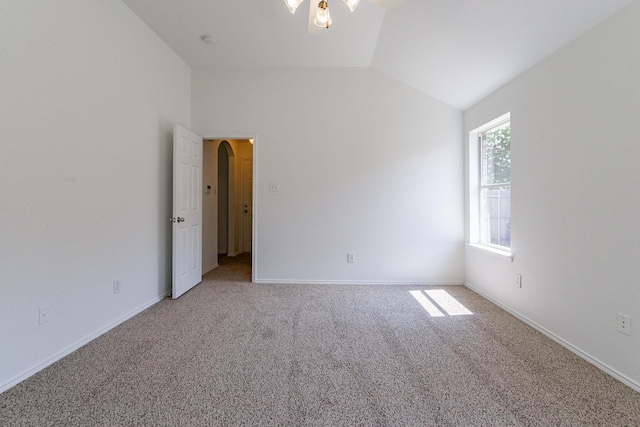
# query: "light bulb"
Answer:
x=323 y=18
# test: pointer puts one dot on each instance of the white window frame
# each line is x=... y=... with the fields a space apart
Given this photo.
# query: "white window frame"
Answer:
x=475 y=187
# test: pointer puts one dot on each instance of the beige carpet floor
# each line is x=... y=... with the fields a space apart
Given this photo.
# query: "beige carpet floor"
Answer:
x=232 y=353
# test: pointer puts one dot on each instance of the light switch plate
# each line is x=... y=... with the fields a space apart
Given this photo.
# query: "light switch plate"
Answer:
x=43 y=314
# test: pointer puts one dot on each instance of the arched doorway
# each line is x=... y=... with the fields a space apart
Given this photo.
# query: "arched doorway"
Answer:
x=226 y=200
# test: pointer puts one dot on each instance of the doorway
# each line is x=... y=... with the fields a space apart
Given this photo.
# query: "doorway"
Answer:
x=228 y=167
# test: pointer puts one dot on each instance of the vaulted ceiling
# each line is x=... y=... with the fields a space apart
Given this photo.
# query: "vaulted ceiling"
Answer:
x=457 y=51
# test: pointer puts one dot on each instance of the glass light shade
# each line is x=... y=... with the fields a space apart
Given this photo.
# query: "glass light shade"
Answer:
x=293 y=4
x=323 y=18
x=352 y=4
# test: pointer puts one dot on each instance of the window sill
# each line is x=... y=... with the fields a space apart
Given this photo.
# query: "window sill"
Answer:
x=497 y=252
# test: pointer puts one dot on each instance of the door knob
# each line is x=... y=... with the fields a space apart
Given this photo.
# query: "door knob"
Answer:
x=180 y=219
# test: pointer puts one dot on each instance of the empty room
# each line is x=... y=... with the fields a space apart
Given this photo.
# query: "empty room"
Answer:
x=285 y=212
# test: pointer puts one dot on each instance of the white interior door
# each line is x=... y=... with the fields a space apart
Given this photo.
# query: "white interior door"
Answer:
x=187 y=210
x=247 y=204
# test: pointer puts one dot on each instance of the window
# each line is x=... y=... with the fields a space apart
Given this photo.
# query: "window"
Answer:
x=490 y=173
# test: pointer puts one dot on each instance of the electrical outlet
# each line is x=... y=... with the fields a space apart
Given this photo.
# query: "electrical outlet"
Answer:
x=274 y=187
x=519 y=280
x=351 y=258
x=43 y=314
x=116 y=286
x=624 y=324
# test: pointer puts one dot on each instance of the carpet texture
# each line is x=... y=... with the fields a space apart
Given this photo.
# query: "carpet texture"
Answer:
x=234 y=353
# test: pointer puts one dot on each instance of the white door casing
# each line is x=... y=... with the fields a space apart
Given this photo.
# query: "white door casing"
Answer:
x=187 y=211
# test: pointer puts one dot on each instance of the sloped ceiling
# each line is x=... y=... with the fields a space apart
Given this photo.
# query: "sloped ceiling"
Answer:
x=457 y=51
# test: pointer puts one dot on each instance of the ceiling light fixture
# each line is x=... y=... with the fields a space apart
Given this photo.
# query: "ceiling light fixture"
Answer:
x=323 y=18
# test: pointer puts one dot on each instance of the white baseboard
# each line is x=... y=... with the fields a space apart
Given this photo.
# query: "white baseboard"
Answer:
x=65 y=352
x=580 y=353
x=205 y=271
x=361 y=282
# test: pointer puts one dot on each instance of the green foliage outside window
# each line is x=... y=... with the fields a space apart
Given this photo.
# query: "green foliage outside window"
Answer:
x=498 y=154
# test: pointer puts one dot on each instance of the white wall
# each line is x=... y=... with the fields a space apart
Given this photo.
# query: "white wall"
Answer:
x=209 y=206
x=223 y=198
x=365 y=165
x=89 y=96
x=575 y=180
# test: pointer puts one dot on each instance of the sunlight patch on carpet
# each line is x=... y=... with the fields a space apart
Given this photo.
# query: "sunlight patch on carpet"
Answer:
x=426 y=304
x=438 y=300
